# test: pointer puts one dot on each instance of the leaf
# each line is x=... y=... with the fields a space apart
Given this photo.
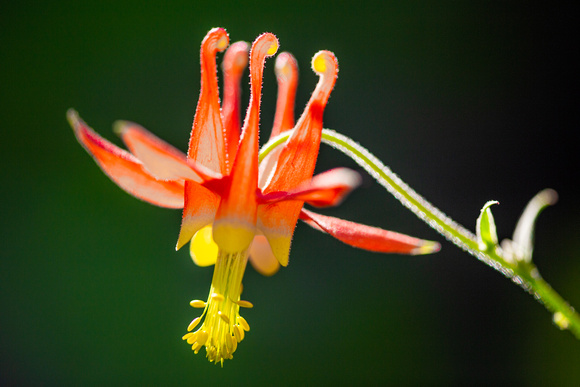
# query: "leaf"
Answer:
x=523 y=238
x=485 y=228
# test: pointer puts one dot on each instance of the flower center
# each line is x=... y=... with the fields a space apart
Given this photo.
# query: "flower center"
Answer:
x=223 y=327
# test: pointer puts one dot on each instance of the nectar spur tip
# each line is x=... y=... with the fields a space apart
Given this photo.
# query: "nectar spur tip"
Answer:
x=267 y=42
x=323 y=62
x=285 y=65
x=218 y=38
x=222 y=43
x=272 y=49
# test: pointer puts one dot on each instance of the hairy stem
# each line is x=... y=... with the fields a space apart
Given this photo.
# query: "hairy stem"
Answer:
x=522 y=273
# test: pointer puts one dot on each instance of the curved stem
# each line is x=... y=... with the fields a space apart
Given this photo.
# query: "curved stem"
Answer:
x=522 y=273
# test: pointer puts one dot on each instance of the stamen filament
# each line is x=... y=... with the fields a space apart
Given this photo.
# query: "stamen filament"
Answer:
x=222 y=327
x=526 y=275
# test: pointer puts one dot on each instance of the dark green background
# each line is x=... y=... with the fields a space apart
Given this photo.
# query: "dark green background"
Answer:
x=467 y=103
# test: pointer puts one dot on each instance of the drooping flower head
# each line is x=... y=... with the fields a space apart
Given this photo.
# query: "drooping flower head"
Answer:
x=236 y=208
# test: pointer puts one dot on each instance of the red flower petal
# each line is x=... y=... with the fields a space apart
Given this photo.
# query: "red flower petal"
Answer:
x=326 y=189
x=161 y=159
x=199 y=210
x=235 y=223
x=207 y=144
x=125 y=169
x=296 y=161
x=367 y=237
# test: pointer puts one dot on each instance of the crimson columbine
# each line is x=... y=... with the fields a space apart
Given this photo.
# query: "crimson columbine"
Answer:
x=234 y=207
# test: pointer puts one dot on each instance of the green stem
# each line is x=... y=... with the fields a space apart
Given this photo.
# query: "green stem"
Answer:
x=565 y=317
x=524 y=274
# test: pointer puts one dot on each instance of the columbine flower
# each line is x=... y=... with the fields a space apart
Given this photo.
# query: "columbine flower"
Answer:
x=235 y=208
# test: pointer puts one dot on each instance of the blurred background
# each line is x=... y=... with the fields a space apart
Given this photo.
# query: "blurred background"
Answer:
x=467 y=102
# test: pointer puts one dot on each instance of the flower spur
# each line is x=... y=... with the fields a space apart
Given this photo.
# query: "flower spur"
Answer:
x=236 y=208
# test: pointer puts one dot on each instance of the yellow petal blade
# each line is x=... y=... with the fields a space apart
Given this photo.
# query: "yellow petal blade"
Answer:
x=203 y=249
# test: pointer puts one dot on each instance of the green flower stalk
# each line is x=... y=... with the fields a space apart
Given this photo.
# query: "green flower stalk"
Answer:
x=513 y=258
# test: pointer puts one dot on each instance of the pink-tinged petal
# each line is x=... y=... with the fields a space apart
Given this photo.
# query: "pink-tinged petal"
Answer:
x=161 y=159
x=164 y=161
x=296 y=161
x=329 y=188
x=367 y=237
x=262 y=258
x=207 y=143
x=125 y=169
x=287 y=77
x=233 y=65
x=235 y=223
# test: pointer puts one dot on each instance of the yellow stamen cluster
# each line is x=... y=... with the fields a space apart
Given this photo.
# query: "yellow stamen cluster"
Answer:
x=223 y=327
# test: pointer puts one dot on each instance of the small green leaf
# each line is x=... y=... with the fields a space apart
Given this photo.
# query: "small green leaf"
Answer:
x=524 y=233
x=485 y=228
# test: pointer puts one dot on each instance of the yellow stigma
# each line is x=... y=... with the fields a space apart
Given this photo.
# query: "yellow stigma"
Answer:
x=223 y=327
x=319 y=63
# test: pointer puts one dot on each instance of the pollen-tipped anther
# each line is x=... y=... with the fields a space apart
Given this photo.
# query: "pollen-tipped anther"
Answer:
x=197 y=304
x=222 y=326
x=245 y=304
x=217 y=297
x=193 y=324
